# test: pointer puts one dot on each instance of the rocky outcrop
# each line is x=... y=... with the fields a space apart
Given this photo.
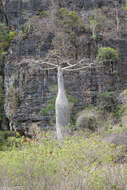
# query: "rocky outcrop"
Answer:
x=27 y=86
x=27 y=90
x=19 y=12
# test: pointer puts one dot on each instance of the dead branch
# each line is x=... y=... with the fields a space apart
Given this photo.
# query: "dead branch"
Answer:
x=77 y=69
x=52 y=68
x=52 y=64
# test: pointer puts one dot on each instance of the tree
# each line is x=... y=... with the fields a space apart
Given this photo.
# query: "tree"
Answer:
x=72 y=25
x=93 y=24
x=61 y=105
x=108 y=56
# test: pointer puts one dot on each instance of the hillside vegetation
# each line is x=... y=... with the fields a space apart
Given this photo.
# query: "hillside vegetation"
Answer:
x=77 y=163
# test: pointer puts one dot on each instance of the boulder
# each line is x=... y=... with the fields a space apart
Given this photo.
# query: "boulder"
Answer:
x=88 y=119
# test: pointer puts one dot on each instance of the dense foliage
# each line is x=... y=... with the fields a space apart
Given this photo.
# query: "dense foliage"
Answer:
x=108 y=54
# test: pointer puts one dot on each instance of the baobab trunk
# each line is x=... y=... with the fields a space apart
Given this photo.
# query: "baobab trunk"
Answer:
x=62 y=108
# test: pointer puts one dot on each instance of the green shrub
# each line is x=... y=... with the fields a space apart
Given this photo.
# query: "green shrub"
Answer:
x=43 y=13
x=9 y=140
x=120 y=110
x=6 y=36
x=11 y=35
x=108 y=101
x=26 y=30
x=71 y=22
x=107 y=54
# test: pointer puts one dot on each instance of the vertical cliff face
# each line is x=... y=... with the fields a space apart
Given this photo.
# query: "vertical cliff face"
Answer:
x=27 y=87
x=26 y=91
x=18 y=12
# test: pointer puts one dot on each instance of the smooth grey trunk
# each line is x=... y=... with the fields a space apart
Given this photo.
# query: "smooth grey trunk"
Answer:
x=62 y=108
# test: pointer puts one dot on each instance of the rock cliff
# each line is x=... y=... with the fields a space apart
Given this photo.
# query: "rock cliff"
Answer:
x=27 y=87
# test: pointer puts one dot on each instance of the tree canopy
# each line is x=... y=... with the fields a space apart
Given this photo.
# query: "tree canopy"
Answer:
x=107 y=54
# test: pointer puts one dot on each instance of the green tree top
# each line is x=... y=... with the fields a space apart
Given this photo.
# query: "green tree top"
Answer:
x=107 y=54
x=70 y=20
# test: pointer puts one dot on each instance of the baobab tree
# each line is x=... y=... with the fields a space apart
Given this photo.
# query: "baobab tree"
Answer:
x=62 y=107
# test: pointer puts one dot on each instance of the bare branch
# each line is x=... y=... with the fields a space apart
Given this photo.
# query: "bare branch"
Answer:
x=52 y=68
x=83 y=60
x=67 y=62
x=70 y=66
x=87 y=66
x=77 y=69
x=49 y=64
x=54 y=54
x=79 y=63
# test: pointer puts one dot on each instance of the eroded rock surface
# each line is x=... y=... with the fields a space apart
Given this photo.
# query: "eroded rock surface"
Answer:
x=27 y=86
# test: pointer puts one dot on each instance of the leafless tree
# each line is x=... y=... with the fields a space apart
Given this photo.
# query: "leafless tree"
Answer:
x=62 y=105
x=117 y=17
